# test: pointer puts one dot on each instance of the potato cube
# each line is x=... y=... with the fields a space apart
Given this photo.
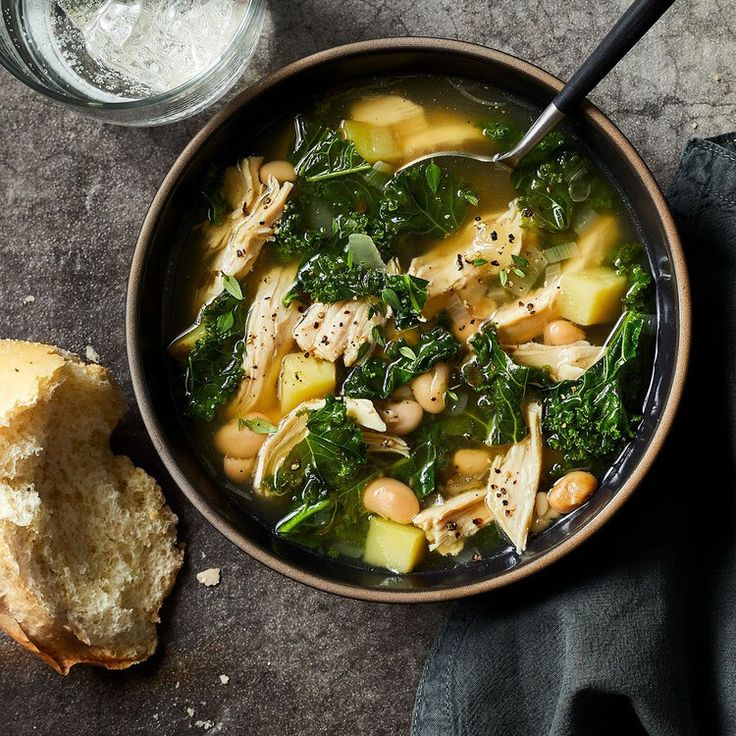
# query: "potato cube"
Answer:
x=444 y=137
x=372 y=142
x=397 y=547
x=595 y=243
x=592 y=296
x=304 y=377
x=392 y=111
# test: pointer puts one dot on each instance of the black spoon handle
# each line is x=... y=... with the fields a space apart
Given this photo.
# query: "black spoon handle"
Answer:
x=632 y=25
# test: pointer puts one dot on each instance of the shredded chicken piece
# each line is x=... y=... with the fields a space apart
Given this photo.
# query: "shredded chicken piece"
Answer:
x=491 y=249
x=523 y=320
x=449 y=524
x=238 y=241
x=565 y=362
x=329 y=331
x=385 y=443
x=267 y=337
x=292 y=430
x=514 y=481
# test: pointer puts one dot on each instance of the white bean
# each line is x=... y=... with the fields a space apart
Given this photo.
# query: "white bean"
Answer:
x=391 y=499
x=401 y=417
x=429 y=389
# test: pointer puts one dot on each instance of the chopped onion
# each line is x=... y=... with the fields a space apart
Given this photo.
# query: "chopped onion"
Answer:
x=552 y=273
x=561 y=252
x=364 y=251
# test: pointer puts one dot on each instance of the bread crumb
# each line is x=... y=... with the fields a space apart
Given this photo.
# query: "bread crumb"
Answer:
x=694 y=126
x=176 y=687
x=224 y=679
x=206 y=725
x=91 y=354
x=209 y=577
x=29 y=299
x=190 y=712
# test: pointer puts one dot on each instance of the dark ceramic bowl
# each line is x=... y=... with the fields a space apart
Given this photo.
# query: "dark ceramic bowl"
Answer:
x=227 y=135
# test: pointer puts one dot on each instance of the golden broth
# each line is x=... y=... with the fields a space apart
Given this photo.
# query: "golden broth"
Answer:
x=453 y=110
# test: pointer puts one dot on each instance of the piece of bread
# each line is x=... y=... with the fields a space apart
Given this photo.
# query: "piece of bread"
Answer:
x=87 y=544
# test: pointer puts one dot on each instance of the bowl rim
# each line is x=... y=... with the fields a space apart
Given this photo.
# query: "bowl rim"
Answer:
x=666 y=416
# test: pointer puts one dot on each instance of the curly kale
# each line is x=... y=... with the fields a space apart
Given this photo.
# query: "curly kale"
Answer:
x=378 y=379
x=588 y=421
x=502 y=386
x=332 y=277
x=214 y=365
x=553 y=180
x=322 y=470
x=628 y=260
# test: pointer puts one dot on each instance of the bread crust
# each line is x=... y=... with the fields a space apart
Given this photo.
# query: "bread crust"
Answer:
x=31 y=613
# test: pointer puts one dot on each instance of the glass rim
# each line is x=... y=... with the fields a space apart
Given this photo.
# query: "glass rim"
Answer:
x=252 y=23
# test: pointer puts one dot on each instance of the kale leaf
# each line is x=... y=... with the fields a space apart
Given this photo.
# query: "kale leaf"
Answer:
x=628 y=261
x=502 y=386
x=425 y=200
x=323 y=470
x=589 y=420
x=321 y=153
x=332 y=277
x=553 y=180
x=378 y=379
x=215 y=363
x=429 y=454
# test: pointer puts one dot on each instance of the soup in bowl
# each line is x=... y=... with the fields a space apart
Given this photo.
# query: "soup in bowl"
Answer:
x=408 y=374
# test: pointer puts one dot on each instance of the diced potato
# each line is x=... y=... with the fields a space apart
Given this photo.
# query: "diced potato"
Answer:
x=403 y=116
x=595 y=243
x=592 y=296
x=372 y=142
x=397 y=547
x=304 y=377
x=444 y=137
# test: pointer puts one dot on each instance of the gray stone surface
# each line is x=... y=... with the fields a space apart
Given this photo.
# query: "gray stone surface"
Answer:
x=73 y=195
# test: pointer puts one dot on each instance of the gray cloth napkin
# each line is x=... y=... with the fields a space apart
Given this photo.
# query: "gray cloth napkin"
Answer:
x=635 y=631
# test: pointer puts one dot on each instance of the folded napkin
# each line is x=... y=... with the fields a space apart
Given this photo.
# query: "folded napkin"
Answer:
x=635 y=631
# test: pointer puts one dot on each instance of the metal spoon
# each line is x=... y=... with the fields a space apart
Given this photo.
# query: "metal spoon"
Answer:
x=630 y=28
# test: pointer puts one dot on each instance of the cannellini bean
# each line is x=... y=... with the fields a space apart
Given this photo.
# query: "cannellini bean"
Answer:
x=238 y=469
x=402 y=392
x=562 y=332
x=281 y=170
x=401 y=417
x=571 y=491
x=391 y=499
x=472 y=463
x=236 y=440
x=429 y=389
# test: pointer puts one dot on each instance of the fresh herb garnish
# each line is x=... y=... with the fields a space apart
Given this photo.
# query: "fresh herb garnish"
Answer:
x=257 y=425
x=231 y=286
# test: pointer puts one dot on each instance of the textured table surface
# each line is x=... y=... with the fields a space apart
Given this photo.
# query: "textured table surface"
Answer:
x=73 y=195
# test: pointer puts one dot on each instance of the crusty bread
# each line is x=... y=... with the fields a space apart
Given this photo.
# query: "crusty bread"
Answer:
x=87 y=544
